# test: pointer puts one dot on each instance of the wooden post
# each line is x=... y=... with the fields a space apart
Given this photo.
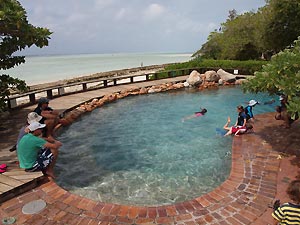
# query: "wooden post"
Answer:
x=84 y=86
x=105 y=83
x=49 y=94
x=131 y=79
x=115 y=81
x=147 y=76
x=12 y=103
x=61 y=91
x=32 y=98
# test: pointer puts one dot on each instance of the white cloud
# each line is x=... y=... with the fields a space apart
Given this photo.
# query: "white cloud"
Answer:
x=153 y=11
x=120 y=14
x=125 y=14
x=211 y=27
x=76 y=17
x=131 y=25
x=101 y=4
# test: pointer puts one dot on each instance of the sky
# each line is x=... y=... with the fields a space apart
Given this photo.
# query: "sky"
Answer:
x=131 y=26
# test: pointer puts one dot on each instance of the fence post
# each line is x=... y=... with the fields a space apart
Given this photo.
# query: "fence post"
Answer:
x=61 y=91
x=49 y=94
x=131 y=79
x=84 y=86
x=32 y=98
x=12 y=103
x=105 y=83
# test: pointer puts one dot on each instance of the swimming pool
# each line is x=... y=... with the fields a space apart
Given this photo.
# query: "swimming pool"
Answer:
x=137 y=150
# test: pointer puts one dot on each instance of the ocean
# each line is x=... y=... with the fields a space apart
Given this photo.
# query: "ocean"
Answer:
x=43 y=69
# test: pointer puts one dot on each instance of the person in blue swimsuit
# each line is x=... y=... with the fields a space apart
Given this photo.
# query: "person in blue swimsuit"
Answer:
x=248 y=109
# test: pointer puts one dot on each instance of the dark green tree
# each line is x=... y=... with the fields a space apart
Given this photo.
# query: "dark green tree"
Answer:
x=238 y=39
x=16 y=34
x=280 y=76
x=263 y=33
x=212 y=48
x=282 y=24
x=232 y=14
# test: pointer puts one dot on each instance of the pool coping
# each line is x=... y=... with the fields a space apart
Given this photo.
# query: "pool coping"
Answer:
x=241 y=199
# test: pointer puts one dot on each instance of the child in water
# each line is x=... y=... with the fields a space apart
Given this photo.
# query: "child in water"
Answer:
x=196 y=114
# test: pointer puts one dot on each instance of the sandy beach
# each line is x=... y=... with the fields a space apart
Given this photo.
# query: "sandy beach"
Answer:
x=132 y=71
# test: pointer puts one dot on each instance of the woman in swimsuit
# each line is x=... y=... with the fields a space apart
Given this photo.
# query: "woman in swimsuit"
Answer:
x=196 y=114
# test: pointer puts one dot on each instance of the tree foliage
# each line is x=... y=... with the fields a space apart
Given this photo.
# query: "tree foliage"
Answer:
x=282 y=26
x=15 y=35
x=255 y=34
x=280 y=76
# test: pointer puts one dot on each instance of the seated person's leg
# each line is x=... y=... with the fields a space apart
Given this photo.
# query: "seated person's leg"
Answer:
x=50 y=168
x=50 y=124
x=45 y=157
x=278 y=115
x=286 y=118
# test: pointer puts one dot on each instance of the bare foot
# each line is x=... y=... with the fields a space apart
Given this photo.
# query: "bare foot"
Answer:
x=228 y=120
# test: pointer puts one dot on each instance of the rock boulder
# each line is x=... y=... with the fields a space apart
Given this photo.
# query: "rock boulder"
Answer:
x=194 y=79
x=212 y=76
x=225 y=76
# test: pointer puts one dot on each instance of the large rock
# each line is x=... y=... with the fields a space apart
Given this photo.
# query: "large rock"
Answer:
x=227 y=77
x=240 y=81
x=143 y=90
x=186 y=84
x=194 y=79
x=212 y=76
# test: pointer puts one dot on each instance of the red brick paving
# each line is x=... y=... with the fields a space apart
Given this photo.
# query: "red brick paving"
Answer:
x=258 y=176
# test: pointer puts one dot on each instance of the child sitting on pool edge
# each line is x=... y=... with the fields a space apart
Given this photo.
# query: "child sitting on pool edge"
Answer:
x=236 y=130
x=196 y=114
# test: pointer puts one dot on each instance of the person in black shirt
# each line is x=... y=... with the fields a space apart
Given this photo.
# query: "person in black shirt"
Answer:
x=50 y=116
x=242 y=118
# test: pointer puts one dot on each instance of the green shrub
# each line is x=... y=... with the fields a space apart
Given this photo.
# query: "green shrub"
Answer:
x=244 y=67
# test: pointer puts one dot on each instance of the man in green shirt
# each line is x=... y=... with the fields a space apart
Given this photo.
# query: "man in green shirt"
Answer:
x=35 y=153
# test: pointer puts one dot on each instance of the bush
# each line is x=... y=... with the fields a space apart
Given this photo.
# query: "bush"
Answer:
x=244 y=67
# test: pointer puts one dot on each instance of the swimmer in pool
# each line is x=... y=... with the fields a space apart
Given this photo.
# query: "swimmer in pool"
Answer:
x=196 y=114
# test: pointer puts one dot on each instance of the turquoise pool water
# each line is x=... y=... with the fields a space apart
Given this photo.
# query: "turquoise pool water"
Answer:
x=137 y=150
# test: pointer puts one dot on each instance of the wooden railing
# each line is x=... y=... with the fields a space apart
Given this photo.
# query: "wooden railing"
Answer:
x=30 y=98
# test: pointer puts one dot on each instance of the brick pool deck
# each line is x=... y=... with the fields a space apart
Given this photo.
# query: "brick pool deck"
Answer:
x=263 y=163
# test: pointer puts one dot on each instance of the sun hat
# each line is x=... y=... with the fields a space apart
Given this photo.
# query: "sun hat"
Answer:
x=281 y=97
x=43 y=100
x=35 y=125
x=252 y=102
x=33 y=117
